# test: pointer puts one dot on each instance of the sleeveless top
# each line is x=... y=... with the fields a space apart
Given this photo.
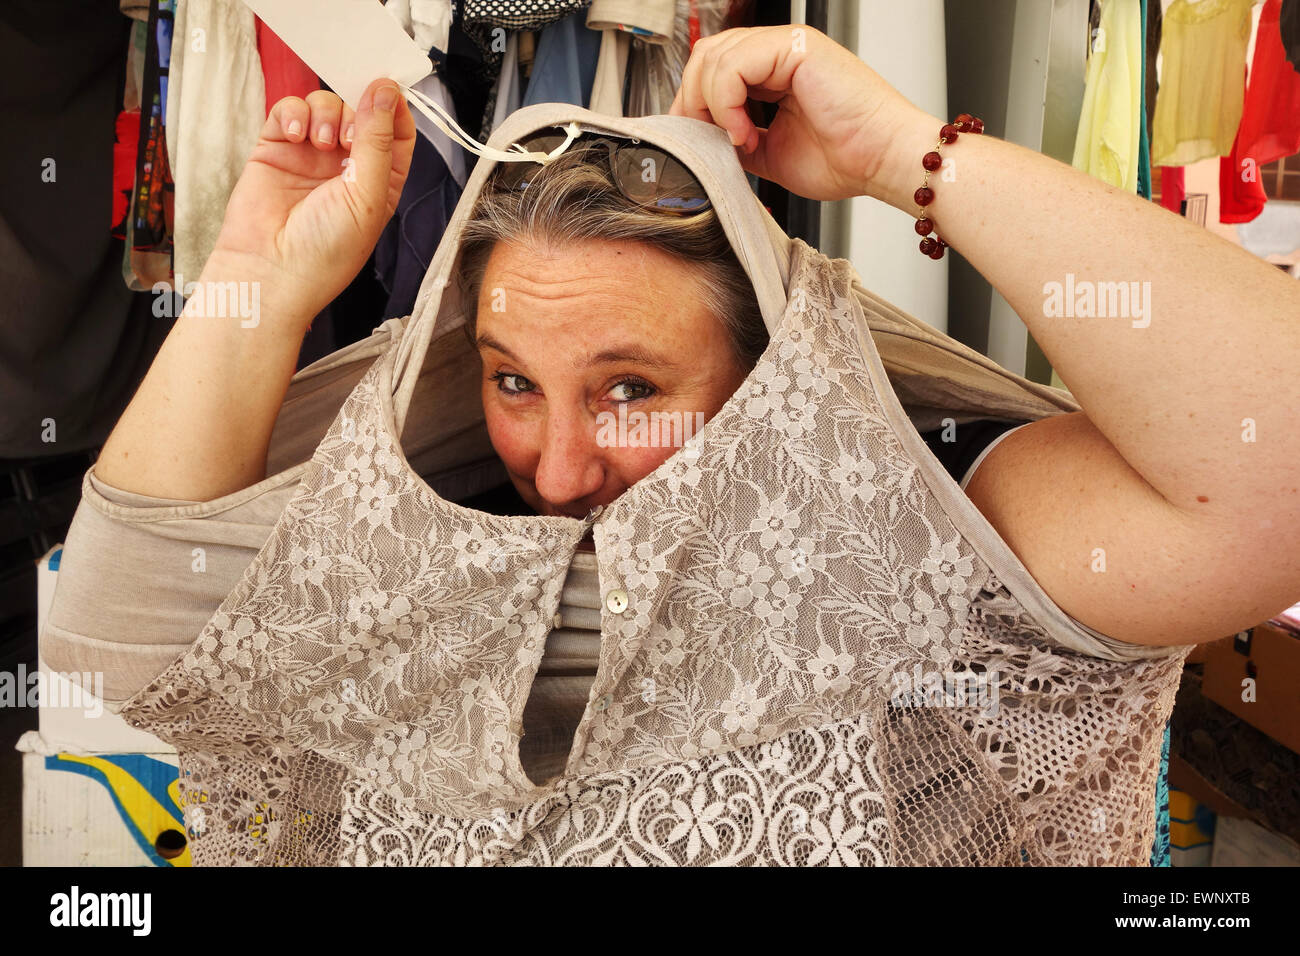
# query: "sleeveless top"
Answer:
x=814 y=648
x=128 y=629
x=761 y=589
x=572 y=654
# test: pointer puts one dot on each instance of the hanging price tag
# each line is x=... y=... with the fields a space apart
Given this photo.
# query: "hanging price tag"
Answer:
x=351 y=43
x=347 y=43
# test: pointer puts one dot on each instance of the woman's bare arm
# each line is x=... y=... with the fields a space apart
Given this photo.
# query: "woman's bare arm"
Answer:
x=199 y=425
x=302 y=220
x=1168 y=512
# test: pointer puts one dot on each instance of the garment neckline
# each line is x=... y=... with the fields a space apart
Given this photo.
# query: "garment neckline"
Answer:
x=629 y=501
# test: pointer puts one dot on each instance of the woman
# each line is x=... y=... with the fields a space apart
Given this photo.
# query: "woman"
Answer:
x=1161 y=505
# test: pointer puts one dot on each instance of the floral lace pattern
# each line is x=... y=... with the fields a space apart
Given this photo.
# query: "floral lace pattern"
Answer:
x=360 y=692
x=811 y=798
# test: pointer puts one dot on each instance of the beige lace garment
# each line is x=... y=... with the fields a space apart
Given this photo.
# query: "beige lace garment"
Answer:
x=357 y=698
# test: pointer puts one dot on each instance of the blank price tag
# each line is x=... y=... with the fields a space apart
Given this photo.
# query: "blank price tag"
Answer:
x=348 y=43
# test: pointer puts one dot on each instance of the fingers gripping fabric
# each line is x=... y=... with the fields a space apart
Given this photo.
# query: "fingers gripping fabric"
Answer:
x=358 y=697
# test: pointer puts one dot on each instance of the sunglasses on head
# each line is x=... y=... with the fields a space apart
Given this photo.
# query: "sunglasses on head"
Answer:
x=646 y=175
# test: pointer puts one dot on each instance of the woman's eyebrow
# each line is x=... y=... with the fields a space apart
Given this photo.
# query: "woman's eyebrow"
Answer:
x=482 y=340
x=626 y=353
x=631 y=353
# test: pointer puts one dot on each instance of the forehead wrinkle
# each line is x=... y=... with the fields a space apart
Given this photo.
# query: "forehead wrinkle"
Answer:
x=602 y=292
x=539 y=279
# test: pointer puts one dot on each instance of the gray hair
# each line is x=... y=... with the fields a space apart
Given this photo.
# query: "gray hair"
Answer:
x=575 y=198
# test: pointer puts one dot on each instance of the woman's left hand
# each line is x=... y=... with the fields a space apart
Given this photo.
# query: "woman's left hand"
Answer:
x=832 y=135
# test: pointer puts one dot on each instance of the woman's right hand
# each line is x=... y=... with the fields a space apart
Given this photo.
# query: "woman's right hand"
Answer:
x=318 y=189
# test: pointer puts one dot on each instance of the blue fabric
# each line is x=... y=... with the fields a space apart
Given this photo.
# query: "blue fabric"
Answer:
x=564 y=64
x=408 y=242
x=1160 y=855
x=1144 y=147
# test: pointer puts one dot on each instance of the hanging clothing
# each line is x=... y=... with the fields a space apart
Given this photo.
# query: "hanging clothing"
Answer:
x=150 y=216
x=467 y=74
x=487 y=22
x=610 y=85
x=764 y=595
x=409 y=240
x=564 y=67
x=75 y=340
x=1144 y=143
x=1172 y=189
x=1150 y=71
x=427 y=22
x=283 y=73
x=506 y=95
x=452 y=153
x=215 y=112
x=1270 y=123
x=1289 y=29
x=1202 y=88
x=1270 y=119
x=1108 y=142
x=127 y=139
x=1241 y=194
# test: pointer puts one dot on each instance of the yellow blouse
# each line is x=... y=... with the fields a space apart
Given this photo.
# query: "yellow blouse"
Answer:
x=1202 y=80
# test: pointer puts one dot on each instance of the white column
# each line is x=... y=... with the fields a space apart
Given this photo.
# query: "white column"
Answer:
x=905 y=44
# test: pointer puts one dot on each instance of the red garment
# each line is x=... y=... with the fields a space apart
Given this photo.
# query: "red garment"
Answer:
x=1241 y=195
x=1270 y=119
x=1172 y=188
x=282 y=72
x=127 y=130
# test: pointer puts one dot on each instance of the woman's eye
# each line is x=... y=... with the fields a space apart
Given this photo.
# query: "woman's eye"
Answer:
x=629 y=390
x=518 y=384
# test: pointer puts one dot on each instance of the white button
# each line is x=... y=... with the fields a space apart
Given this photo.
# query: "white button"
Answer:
x=604 y=702
x=558 y=620
x=595 y=512
x=616 y=600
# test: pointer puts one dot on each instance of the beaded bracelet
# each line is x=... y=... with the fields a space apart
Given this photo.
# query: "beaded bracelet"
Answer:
x=964 y=123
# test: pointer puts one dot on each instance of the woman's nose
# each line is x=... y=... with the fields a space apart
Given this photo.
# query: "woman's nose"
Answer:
x=570 y=467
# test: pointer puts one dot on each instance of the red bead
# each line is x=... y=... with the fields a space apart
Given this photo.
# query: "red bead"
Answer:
x=924 y=227
x=948 y=134
x=928 y=246
x=924 y=196
x=963 y=118
x=936 y=252
x=977 y=125
x=931 y=161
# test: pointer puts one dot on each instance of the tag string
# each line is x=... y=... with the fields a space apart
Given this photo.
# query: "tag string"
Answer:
x=516 y=154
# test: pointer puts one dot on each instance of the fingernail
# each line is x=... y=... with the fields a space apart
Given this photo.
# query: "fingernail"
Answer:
x=326 y=133
x=294 y=128
x=348 y=133
x=386 y=98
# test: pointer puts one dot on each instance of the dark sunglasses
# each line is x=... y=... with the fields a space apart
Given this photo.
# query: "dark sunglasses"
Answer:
x=645 y=175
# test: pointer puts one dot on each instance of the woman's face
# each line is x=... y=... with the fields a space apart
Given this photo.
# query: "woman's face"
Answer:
x=568 y=332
